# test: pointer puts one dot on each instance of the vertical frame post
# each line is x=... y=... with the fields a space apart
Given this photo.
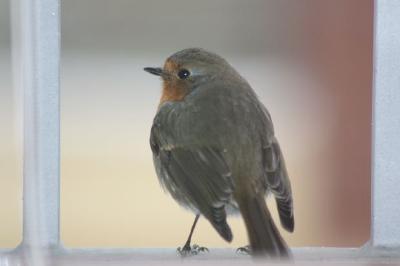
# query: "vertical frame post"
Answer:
x=36 y=53
x=385 y=232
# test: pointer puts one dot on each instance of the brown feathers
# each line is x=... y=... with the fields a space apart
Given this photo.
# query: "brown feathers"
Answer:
x=172 y=91
x=173 y=88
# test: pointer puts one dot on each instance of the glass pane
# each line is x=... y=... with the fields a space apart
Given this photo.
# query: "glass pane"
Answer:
x=10 y=164
x=310 y=64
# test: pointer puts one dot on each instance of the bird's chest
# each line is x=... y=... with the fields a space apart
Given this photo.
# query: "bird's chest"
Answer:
x=172 y=92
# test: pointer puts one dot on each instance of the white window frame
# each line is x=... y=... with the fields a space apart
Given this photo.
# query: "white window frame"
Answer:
x=36 y=58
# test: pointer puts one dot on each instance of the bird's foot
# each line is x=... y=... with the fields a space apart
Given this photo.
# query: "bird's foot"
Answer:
x=246 y=250
x=188 y=250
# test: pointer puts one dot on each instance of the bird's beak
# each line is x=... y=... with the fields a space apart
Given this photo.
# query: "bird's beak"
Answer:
x=154 y=70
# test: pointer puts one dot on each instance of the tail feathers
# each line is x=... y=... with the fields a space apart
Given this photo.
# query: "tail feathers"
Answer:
x=264 y=237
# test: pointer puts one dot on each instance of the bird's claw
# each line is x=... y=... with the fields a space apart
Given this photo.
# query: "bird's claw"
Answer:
x=188 y=250
x=246 y=250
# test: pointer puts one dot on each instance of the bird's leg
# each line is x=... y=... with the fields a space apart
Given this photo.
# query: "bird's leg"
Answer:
x=187 y=244
x=191 y=250
x=244 y=250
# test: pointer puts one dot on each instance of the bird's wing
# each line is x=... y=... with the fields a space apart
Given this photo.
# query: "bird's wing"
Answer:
x=278 y=183
x=276 y=176
x=196 y=176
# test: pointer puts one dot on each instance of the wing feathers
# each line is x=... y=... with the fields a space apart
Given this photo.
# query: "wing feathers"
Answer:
x=198 y=178
x=278 y=183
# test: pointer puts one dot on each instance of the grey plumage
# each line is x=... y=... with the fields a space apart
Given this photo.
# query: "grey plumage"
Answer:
x=216 y=149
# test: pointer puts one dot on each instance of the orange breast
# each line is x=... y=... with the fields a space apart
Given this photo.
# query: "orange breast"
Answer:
x=172 y=92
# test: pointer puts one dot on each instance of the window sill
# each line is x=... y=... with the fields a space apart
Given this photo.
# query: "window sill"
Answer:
x=220 y=256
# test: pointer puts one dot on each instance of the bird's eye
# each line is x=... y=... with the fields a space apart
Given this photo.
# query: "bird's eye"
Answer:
x=183 y=74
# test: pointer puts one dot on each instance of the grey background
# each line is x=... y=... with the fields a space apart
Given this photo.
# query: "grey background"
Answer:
x=162 y=26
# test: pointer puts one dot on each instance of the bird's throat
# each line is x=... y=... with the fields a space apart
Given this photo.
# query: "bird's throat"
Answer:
x=172 y=92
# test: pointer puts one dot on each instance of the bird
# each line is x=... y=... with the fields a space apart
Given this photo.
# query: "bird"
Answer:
x=215 y=151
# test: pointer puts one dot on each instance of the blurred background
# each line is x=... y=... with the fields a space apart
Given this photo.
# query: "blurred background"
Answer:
x=309 y=61
x=10 y=143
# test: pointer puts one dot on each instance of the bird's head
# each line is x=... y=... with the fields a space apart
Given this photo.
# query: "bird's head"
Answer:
x=186 y=70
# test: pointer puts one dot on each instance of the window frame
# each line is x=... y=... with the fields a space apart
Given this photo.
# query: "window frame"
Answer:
x=36 y=58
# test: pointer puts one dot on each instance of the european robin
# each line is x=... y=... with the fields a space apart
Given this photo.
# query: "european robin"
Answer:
x=215 y=151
